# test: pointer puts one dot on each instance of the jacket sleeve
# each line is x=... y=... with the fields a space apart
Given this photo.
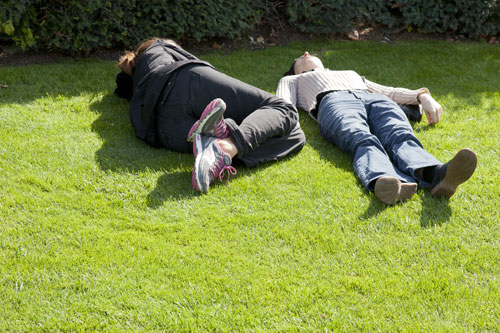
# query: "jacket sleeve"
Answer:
x=398 y=95
x=287 y=89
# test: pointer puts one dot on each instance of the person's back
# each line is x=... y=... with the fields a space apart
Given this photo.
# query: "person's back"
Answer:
x=173 y=93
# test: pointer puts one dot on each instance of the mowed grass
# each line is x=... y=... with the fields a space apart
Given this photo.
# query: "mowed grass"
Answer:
x=99 y=231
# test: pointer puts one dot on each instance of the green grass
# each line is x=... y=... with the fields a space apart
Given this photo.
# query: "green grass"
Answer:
x=98 y=231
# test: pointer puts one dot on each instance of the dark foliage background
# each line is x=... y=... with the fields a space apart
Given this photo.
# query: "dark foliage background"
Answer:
x=82 y=26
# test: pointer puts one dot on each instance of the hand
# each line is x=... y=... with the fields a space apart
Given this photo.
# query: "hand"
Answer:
x=432 y=109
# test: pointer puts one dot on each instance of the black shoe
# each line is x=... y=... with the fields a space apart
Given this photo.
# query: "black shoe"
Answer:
x=448 y=176
x=413 y=112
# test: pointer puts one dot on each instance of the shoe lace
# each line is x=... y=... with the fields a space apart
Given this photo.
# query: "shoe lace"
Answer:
x=231 y=171
x=220 y=170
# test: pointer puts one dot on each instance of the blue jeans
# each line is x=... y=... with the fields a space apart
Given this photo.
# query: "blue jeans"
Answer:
x=375 y=131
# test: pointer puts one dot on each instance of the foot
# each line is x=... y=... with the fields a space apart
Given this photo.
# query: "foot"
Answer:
x=389 y=190
x=211 y=122
x=211 y=162
x=448 y=176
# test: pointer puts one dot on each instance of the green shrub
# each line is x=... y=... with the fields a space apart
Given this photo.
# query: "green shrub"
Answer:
x=469 y=17
x=83 y=26
x=472 y=18
x=74 y=26
x=16 y=20
x=330 y=16
x=87 y=25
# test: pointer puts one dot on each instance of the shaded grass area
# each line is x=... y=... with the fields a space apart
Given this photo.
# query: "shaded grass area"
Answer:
x=98 y=231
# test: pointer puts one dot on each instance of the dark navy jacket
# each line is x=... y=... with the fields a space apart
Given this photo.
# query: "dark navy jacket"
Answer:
x=152 y=81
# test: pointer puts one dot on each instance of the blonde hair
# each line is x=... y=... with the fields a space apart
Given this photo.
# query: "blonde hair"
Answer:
x=127 y=61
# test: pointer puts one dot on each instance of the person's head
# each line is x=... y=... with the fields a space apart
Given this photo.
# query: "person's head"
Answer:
x=305 y=63
x=127 y=61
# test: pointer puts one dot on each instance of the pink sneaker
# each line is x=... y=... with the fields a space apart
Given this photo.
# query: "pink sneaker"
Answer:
x=211 y=162
x=211 y=122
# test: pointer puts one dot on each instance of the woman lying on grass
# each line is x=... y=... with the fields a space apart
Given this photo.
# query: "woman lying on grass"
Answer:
x=175 y=98
x=362 y=118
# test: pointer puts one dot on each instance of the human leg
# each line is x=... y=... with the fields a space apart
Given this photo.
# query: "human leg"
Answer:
x=173 y=124
x=343 y=120
x=389 y=123
x=258 y=127
x=175 y=115
x=213 y=152
x=270 y=133
x=262 y=126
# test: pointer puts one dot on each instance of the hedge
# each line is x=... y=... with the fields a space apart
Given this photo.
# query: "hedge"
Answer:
x=74 y=26
x=472 y=18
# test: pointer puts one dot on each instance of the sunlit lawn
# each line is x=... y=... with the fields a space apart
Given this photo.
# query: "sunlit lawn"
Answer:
x=99 y=231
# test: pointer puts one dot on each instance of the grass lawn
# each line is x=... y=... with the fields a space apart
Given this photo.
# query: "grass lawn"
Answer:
x=99 y=231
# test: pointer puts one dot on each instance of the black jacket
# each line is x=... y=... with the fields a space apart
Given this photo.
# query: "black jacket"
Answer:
x=152 y=81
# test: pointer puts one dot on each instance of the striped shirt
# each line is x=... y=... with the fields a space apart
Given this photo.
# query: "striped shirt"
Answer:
x=301 y=90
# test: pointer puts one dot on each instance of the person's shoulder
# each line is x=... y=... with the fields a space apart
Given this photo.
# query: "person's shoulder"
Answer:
x=289 y=78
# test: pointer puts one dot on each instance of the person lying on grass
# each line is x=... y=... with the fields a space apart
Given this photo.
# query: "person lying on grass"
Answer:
x=363 y=119
x=175 y=98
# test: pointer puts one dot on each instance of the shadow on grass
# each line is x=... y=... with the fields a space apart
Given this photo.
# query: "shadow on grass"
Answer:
x=177 y=184
x=123 y=152
x=435 y=211
x=376 y=207
x=174 y=185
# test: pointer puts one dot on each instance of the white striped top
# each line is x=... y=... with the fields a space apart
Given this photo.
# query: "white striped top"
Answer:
x=301 y=90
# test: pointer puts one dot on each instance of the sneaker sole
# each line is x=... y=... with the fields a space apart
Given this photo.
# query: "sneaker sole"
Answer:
x=195 y=181
x=193 y=175
x=211 y=109
x=461 y=168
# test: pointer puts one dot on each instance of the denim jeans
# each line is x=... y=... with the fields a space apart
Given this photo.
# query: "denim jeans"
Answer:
x=377 y=134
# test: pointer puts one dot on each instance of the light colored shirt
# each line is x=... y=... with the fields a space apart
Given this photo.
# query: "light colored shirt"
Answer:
x=301 y=90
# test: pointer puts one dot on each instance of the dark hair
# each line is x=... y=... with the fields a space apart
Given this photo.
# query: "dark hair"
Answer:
x=291 y=70
x=124 y=85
